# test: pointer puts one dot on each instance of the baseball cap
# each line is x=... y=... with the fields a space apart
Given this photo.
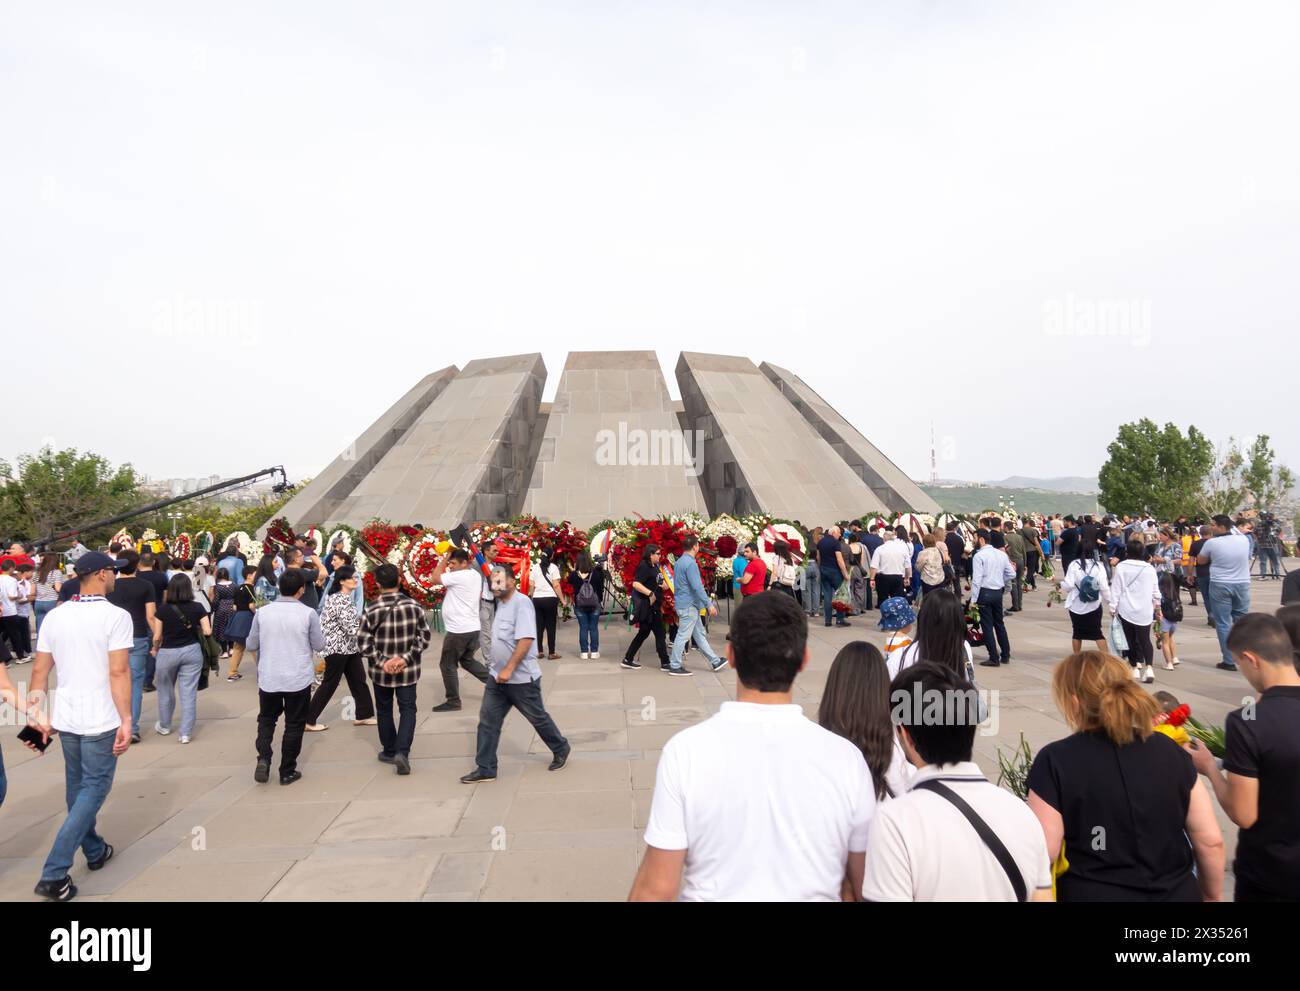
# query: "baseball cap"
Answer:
x=94 y=561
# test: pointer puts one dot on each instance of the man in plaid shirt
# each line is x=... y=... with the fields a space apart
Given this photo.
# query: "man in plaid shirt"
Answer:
x=393 y=635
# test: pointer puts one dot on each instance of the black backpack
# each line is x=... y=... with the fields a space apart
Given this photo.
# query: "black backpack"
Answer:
x=586 y=597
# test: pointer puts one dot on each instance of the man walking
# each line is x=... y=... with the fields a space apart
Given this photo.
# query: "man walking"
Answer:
x=393 y=635
x=1228 y=598
x=1017 y=553
x=956 y=554
x=460 y=613
x=136 y=596
x=891 y=567
x=991 y=571
x=689 y=598
x=1033 y=553
x=284 y=635
x=834 y=571
x=516 y=680
x=89 y=643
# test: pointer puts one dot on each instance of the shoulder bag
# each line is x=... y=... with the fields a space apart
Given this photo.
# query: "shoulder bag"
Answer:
x=990 y=838
x=211 y=651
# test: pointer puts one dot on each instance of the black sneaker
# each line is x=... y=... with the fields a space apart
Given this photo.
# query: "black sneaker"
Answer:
x=263 y=773
x=1006 y=660
x=474 y=777
x=1226 y=667
x=630 y=664
x=560 y=761
x=722 y=663
x=844 y=622
x=149 y=688
x=679 y=672
x=290 y=778
x=447 y=707
x=387 y=758
x=990 y=664
x=402 y=764
x=62 y=890
x=108 y=855
x=665 y=668
x=135 y=737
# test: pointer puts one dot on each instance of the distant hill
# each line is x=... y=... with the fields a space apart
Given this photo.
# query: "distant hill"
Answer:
x=975 y=498
x=1069 y=483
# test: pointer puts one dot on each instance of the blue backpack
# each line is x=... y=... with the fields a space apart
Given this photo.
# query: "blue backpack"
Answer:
x=1089 y=588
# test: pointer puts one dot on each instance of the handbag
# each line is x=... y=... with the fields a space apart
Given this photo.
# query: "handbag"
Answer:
x=240 y=625
x=211 y=652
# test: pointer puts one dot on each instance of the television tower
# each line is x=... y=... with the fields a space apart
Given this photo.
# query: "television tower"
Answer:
x=934 y=464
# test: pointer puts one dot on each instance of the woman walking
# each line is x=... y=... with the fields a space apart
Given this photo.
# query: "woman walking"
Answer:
x=1086 y=587
x=340 y=622
x=586 y=583
x=547 y=599
x=647 y=609
x=177 y=625
x=929 y=567
x=855 y=705
x=241 y=623
x=1171 y=614
x=1135 y=597
x=223 y=609
x=940 y=636
x=267 y=584
x=1118 y=780
x=49 y=579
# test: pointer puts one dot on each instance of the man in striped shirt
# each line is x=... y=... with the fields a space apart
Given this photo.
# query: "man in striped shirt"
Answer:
x=392 y=638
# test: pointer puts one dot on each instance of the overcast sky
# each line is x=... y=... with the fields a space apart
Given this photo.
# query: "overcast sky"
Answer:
x=926 y=209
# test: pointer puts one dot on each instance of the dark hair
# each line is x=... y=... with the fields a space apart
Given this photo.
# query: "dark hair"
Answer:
x=459 y=554
x=751 y=546
x=146 y=559
x=386 y=576
x=127 y=562
x=115 y=548
x=290 y=555
x=942 y=734
x=249 y=569
x=340 y=576
x=308 y=544
x=689 y=542
x=1289 y=617
x=292 y=582
x=1137 y=550
x=855 y=705
x=179 y=589
x=1264 y=636
x=340 y=553
x=769 y=635
x=901 y=532
x=584 y=563
x=49 y=561
x=266 y=568
x=782 y=550
x=164 y=561
x=223 y=574
x=1224 y=521
x=950 y=525
x=997 y=539
x=648 y=551
x=941 y=631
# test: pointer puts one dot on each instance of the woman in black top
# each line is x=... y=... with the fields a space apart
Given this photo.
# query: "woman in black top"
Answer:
x=177 y=623
x=585 y=573
x=1121 y=801
x=239 y=625
x=647 y=603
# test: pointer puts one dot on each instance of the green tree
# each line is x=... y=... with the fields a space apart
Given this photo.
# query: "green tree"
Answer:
x=1223 y=491
x=53 y=491
x=1149 y=469
x=1265 y=480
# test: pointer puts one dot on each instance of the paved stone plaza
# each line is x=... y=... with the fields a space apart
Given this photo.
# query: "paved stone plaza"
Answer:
x=189 y=823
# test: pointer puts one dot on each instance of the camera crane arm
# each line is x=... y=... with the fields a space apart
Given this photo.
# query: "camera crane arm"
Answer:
x=153 y=507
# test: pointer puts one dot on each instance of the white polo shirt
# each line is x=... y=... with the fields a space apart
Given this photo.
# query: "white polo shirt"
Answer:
x=767 y=804
x=922 y=849
x=893 y=557
x=80 y=635
x=460 y=604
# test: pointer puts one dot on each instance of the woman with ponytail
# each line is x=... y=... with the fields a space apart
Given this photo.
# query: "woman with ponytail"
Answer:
x=1122 y=802
x=855 y=705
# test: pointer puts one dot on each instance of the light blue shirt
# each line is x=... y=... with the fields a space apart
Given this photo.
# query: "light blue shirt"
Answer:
x=515 y=620
x=284 y=634
x=991 y=568
x=234 y=569
x=1229 y=558
x=688 y=587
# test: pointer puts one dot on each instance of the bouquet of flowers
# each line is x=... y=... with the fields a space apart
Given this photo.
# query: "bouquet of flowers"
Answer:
x=633 y=535
x=1055 y=596
x=418 y=565
x=974 y=632
x=182 y=547
x=1045 y=568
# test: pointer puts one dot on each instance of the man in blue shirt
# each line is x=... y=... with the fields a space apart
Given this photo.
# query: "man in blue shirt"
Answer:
x=991 y=569
x=689 y=597
x=1228 y=597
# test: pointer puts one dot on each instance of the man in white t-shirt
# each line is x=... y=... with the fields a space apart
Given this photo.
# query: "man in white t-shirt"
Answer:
x=89 y=642
x=487 y=605
x=891 y=567
x=461 y=616
x=758 y=803
x=924 y=845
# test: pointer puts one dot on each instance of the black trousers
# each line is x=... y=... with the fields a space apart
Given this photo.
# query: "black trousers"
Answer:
x=15 y=631
x=458 y=650
x=294 y=706
x=548 y=610
x=396 y=738
x=1140 y=649
x=1032 y=564
x=655 y=625
x=337 y=666
x=888 y=586
x=993 y=627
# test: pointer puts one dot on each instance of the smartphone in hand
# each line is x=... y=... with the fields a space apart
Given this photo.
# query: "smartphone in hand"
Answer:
x=30 y=734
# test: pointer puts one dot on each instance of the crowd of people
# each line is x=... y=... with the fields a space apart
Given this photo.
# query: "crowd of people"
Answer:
x=873 y=796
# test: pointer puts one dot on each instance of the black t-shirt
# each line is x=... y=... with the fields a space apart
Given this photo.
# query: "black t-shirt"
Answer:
x=1124 y=810
x=956 y=547
x=1202 y=570
x=134 y=594
x=174 y=632
x=597 y=578
x=1290 y=588
x=69 y=588
x=244 y=598
x=826 y=550
x=159 y=581
x=1267 y=747
x=310 y=593
x=1069 y=543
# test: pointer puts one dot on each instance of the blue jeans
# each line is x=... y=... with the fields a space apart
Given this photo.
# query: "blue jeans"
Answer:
x=832 y=579
x=138 y=658
x=1268 y=554
x=812 y=590
x=43 y=606
x=88 y=767
x=689 y=627
x=4 y=782
x=498 y=700
x=588 y=630
x=178 y=670
x=1228 y=603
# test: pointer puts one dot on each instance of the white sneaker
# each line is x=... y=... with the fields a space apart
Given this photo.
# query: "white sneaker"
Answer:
x=1137 y=673
x=157 y=728
x=595 y=655
x=1177 y=662
x=185 y=739
x=583 y=655
x=1150 y=676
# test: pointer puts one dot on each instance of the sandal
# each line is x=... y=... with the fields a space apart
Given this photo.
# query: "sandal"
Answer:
x=316 y=727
